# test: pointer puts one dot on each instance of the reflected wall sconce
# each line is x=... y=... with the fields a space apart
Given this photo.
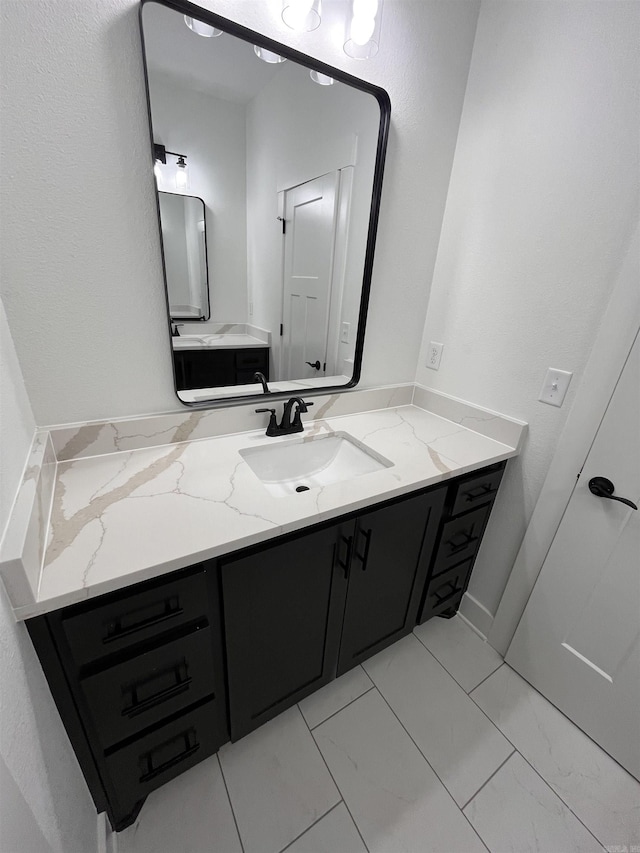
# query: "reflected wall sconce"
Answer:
x=204 y=30
x=302 y=15
x=363 y=30
x=182 y=171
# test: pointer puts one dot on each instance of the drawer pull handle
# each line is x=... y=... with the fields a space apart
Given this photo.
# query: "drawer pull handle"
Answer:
x=156 y=699
x=440 y=597
x=154 y=772
x=116 y=630
x=479 y=492
x=461 y=540
x=367 y=542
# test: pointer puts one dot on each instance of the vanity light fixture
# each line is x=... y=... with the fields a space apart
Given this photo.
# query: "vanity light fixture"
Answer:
x=182 y=172
x=301 y=15
x=363 y=31
x=268 y=55
x=322 y=79
x=204 y=30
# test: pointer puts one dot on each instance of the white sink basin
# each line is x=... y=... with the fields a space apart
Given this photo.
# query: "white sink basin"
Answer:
x=306 y=463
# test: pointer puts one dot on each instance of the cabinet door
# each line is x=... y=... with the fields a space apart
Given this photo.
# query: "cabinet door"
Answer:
x=391 y=554
x=283 y=608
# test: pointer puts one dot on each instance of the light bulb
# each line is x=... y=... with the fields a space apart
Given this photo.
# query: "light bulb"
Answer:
x=301 y=15
x=182 y=175
x=268 y=55
x=205 y=30
x=322 y=79
x=365 y=8
x=362 y=29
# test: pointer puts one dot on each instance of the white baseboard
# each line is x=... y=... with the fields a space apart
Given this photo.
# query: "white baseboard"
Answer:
x=475 y=615
x=106 y=839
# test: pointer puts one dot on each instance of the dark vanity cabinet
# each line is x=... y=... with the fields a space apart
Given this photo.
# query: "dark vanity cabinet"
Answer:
x=138 y=678
x=317 y=603
x=207 y=368
x=466 y=513
x=153 y=678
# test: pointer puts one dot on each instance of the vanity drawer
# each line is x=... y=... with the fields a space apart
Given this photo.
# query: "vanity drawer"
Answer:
x=476 y=491
x=127 y=698
x=127 y=619
x=149 y=762
x=460 y=539
x=251 y=358
x=445 y=591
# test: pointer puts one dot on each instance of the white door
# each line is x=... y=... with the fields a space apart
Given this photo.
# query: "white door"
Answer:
x=310 y=217
x=578 y=641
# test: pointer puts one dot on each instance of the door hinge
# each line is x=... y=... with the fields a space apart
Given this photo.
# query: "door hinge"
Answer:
x=324 y=367
x=281 y=330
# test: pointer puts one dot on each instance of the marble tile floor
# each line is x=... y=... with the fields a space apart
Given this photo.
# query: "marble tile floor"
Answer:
x=432 y=746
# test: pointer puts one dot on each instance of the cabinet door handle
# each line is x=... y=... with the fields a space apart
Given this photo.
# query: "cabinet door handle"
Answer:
x=189 y=750
x=453 y=589
x=367 y=542
x=348 y=541
x=182 y=684
x=118 y=628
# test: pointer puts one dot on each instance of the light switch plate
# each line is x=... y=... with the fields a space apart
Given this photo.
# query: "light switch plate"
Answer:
x=345 y=333
x=555 y=386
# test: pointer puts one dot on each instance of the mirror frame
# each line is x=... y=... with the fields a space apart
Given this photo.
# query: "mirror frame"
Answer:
x=184 y=7
x=206 y=262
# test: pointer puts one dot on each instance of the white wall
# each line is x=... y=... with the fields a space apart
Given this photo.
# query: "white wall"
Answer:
x=80 y=248
x=212 y=134
x=542 y=203
x=330 y=128
x=44 y=801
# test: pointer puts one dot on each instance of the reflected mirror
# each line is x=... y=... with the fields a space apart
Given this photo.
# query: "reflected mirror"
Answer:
x=184 y=241
x=268 y=166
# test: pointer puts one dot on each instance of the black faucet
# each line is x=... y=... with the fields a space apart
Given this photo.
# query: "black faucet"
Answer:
x=174 y=330
x=261 y=378
x=286 y=425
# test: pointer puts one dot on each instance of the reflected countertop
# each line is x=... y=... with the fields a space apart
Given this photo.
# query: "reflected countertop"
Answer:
x=216 y=342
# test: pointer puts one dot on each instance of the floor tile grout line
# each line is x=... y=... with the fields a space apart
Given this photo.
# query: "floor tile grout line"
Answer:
x=450 y=673
x=486 y=781
x=317 y=820
x=558 y=795
x=346 y=805
x=453 y=800
x=233 y=813
x=311 y=728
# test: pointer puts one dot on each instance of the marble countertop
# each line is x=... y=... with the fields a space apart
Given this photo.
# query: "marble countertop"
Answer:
x=222 y=341
x=124 y=517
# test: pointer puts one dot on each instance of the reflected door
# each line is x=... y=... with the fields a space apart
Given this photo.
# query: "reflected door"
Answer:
x=310 y=212
x=578 y=641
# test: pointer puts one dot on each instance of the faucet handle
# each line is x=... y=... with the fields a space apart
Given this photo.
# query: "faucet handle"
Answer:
x=272 y=429
x=300 y=409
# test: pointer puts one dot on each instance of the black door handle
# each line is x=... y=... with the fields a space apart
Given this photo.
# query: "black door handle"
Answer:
x=603 y=488
x=314 y=364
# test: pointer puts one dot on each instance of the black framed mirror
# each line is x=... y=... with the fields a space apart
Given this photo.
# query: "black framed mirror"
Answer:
x=184 y=246
x=286 y=155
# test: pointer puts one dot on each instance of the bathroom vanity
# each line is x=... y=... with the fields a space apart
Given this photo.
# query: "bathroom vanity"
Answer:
x=155 y=676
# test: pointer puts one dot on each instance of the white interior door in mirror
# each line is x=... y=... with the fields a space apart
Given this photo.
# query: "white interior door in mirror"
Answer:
x=310 y=230
x=578 y=641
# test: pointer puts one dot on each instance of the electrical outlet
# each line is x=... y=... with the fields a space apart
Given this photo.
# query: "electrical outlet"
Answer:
x=434 y=354
x=555 y=386
x=344 y=335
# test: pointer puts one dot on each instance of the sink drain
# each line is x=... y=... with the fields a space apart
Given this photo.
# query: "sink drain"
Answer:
x=302 y=488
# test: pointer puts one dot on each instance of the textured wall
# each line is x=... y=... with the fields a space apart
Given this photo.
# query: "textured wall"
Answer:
x=80 y=249
x=542 y=203
x=44 y=803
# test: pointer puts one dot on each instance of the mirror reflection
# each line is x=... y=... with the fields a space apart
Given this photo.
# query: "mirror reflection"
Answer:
x=184 y=241
x=276 y=169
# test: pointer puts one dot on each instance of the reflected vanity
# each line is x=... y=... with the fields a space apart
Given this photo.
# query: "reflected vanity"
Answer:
x=267 y=214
